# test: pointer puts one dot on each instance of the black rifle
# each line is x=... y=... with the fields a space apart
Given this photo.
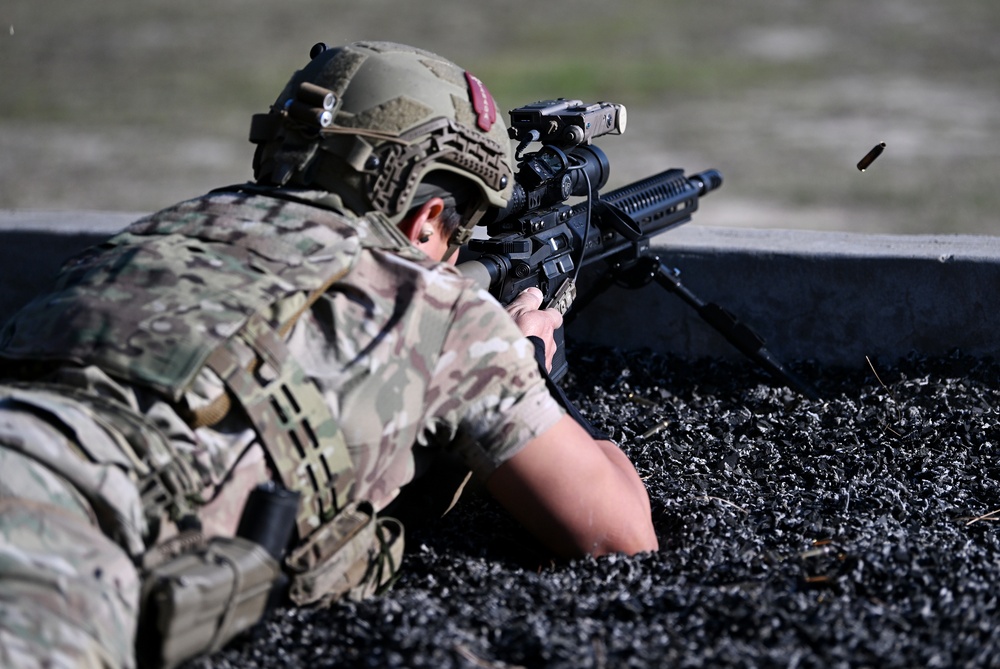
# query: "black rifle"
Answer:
x=539 y=240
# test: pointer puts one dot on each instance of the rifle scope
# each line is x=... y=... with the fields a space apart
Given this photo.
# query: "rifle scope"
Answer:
x=551 y=175
x=635 y=212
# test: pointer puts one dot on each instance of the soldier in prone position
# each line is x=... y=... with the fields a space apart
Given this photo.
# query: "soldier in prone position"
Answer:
x=232 y=397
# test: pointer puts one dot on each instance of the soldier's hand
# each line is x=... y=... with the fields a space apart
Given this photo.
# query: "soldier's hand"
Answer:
x=535 y=322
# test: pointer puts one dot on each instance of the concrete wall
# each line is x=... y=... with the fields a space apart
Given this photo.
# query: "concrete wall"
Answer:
x=33 y=244
x=830 y=297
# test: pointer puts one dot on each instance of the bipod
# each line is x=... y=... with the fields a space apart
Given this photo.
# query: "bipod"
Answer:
x=647 y=268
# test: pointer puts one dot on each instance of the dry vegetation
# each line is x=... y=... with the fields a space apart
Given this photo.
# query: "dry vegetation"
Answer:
x=130 y=106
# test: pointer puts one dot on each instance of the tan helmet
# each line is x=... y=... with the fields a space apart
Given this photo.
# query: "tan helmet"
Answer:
x=368 y=121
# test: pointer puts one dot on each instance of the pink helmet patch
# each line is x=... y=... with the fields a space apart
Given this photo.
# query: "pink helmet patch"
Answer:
x=482 y=102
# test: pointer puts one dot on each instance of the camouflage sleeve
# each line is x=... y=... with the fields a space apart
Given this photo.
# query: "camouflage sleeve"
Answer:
x=69 y=594
x=488 y=397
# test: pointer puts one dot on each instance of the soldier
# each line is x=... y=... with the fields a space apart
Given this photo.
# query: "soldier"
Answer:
x=272 y=366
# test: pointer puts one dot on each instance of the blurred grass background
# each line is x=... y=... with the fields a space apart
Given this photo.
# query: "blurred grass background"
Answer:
x=124 y=105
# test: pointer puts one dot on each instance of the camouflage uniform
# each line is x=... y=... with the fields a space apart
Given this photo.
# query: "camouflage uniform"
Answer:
x=124 y=428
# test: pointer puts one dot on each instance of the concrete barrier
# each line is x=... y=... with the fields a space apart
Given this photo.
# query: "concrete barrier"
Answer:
x=33 y=244
x=830 y=297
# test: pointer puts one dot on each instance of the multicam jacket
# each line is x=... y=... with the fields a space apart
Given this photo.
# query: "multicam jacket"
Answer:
x=407 y=358
x=219 y=344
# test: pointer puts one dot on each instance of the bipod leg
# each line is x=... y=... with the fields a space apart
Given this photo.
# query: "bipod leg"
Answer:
x=746 y=341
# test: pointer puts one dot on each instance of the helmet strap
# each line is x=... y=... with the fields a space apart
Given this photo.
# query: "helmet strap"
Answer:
x=464 y=233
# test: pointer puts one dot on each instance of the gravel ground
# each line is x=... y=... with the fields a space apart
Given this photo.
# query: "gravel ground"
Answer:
x=855 y=531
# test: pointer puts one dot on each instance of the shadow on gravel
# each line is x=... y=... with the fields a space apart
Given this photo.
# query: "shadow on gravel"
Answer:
x=26 y=271
x=857 y=531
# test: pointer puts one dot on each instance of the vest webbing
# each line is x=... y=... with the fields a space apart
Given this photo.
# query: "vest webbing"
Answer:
x=291 y=418
x=192 y=287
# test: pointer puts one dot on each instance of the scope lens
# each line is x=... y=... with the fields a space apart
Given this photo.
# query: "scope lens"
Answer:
x=593 y=162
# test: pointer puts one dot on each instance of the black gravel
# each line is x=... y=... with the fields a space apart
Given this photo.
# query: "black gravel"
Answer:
x=855 y=531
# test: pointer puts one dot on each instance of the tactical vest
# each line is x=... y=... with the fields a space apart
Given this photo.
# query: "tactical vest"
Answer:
x=217 y=282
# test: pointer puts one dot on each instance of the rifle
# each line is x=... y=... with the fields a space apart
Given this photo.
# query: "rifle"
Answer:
x=539 y=240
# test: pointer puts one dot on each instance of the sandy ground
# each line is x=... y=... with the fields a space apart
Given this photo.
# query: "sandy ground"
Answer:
x=121 y=106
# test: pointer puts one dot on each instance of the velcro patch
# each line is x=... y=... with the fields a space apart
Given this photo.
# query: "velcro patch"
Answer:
x=482 y=102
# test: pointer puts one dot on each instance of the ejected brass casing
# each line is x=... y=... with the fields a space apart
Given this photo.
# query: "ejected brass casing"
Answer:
x=871 y=156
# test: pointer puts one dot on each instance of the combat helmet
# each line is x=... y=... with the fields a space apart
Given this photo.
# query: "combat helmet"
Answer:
x=369 y=120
